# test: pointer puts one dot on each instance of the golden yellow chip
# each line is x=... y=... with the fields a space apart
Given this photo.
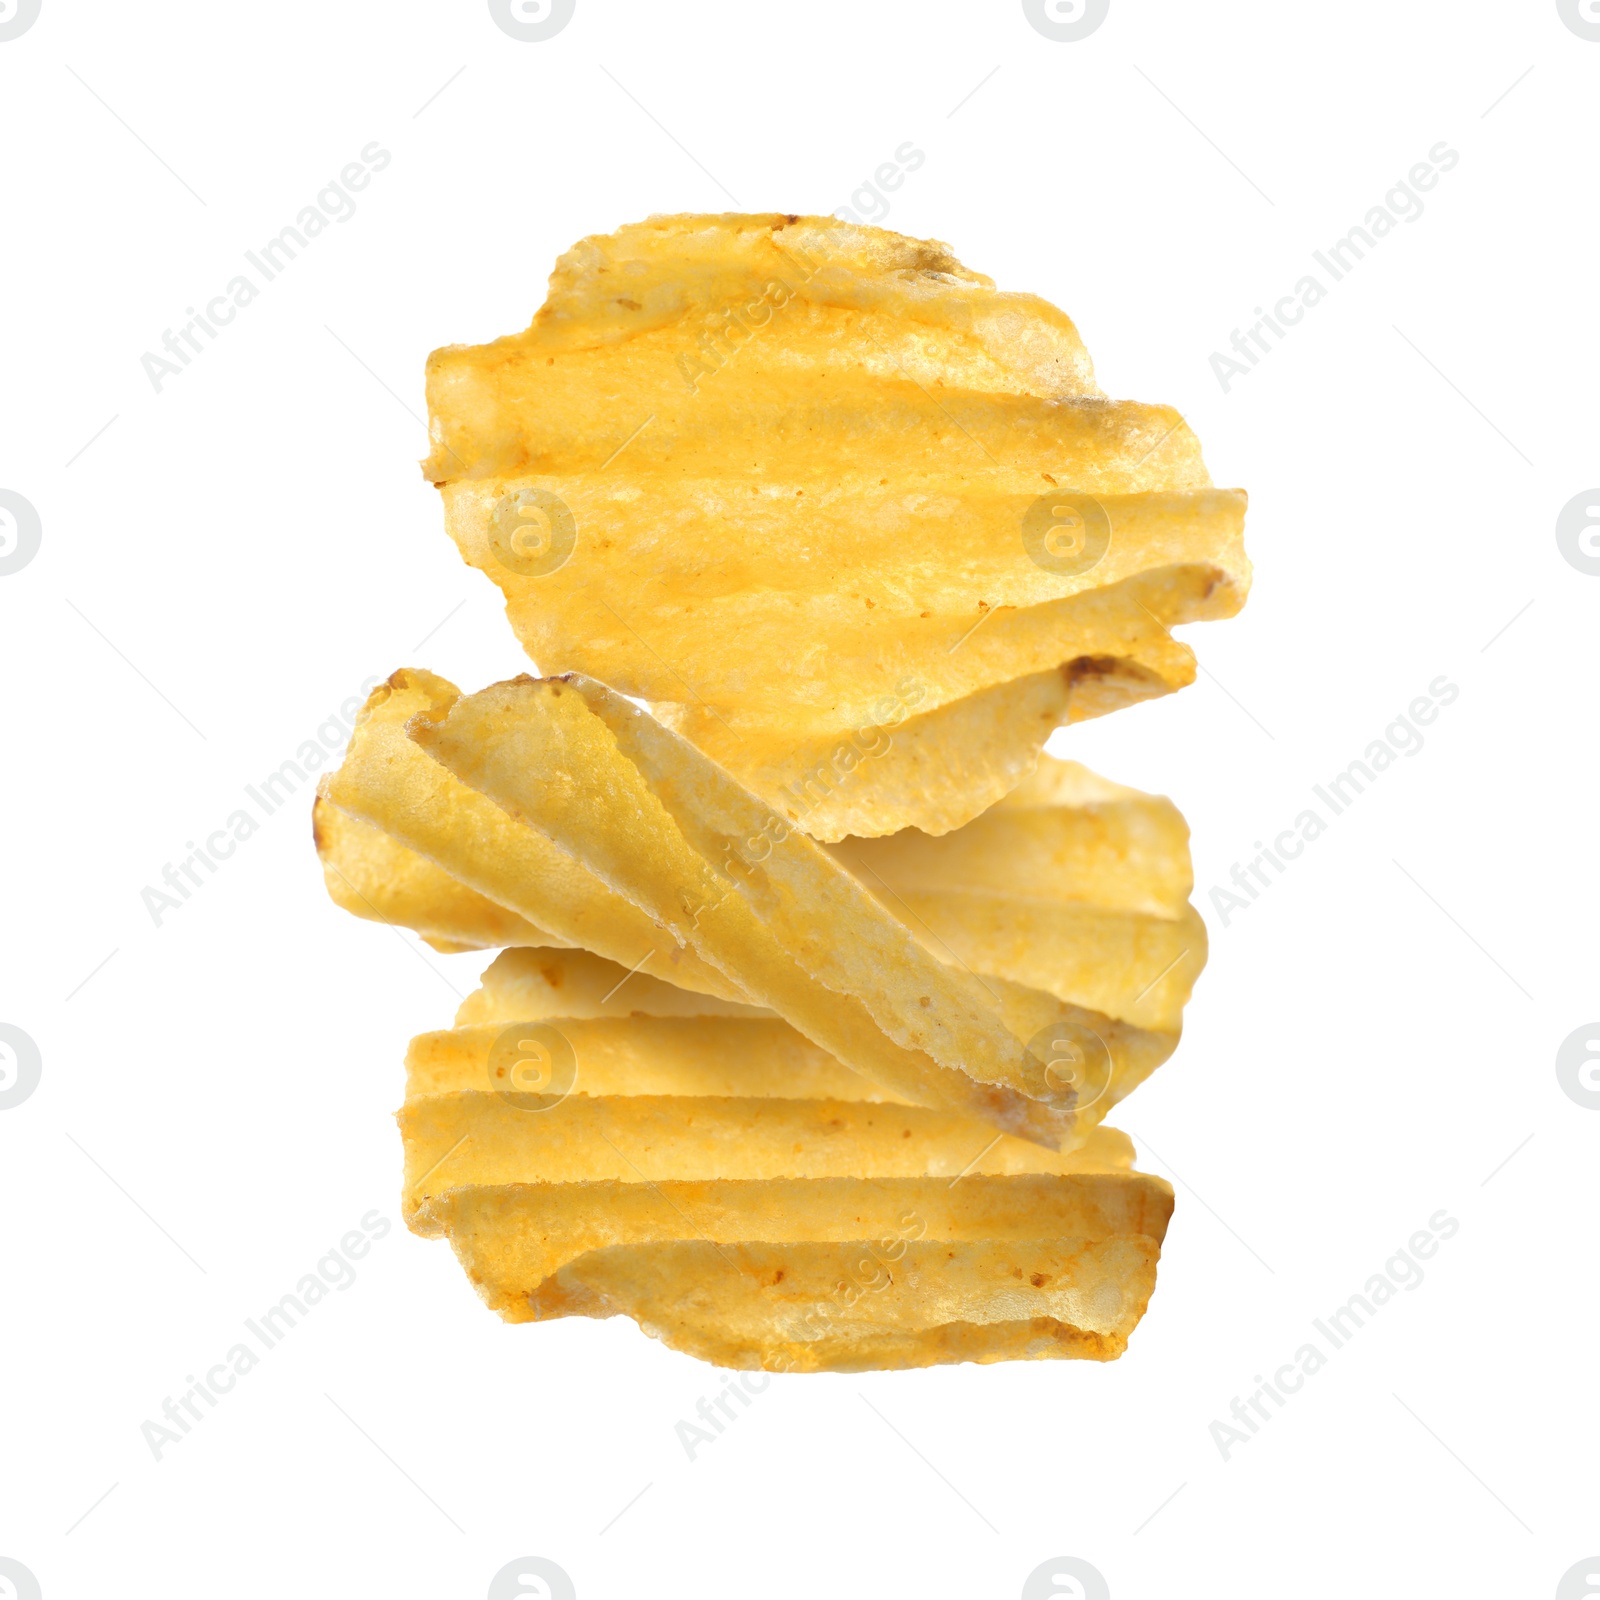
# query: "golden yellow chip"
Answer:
x=748 y=1199
x=859 y=525
x=1061 y=912
x=819 y=980
x=371 y=874
x=661 y=825
x=522 y=983
x=386 y=782
x=1070 y=884
x=884 y=1303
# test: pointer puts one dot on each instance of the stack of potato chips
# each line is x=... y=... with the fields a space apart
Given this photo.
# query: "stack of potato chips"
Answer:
x=818 y=978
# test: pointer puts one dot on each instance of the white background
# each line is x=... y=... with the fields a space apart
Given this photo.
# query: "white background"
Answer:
x=227 y=561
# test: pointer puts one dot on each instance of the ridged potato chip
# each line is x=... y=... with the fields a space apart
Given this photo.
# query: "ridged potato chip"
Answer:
x=370 y=874
x=594 y=1143
x=1070 y=884
x=386 y=782
x=663 y=826
x=818 y=979
x=860 y=526
x=1065 y=904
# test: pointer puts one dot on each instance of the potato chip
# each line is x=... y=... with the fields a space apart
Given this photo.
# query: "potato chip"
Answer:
x=623 y=1036
x=1065 y=904
x=818 y=980
x=845 y=1308
x=520 y=983
x=386 y=782
x=745 y=1197
x=1070 y=884
x=860 y=526
x=660 y=824
x=372 y=875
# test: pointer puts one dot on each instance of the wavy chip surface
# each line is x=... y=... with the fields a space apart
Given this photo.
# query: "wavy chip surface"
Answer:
x=594 y=1143
x=1052 y=934
x=858 y=524
x=818 y=980
x=412 y=829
